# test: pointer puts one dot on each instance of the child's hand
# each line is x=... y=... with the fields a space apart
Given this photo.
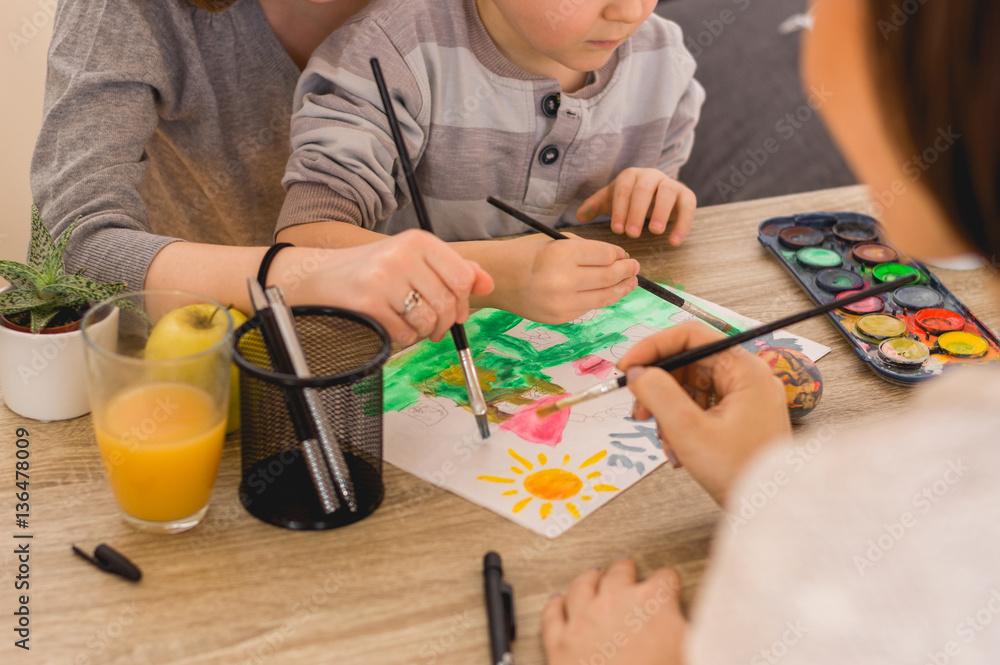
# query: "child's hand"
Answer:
x=714 y=414
x=638 y=194
x=377 y=279
x=611 y=617
x=555 y=281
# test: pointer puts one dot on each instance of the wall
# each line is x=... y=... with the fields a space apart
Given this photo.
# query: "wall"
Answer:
x=25 y=31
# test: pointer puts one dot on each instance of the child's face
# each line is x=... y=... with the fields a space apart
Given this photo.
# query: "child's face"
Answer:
x=837 y=68
x=579 y=35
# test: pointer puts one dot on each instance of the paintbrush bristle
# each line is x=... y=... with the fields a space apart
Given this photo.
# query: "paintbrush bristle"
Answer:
x=484 y=426
x=547 y=410
x=569 y=401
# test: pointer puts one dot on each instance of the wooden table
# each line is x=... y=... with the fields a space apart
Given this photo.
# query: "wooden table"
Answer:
x=404 y=585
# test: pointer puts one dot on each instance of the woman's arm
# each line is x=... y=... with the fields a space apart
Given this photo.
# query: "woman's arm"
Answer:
x=105 y=70
x=374 y=279
x=536 y=277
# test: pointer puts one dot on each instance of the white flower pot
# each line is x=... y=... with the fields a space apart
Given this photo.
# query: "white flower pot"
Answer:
x=45 y=376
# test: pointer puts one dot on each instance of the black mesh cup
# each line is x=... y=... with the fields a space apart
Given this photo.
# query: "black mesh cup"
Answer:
x=345 y=351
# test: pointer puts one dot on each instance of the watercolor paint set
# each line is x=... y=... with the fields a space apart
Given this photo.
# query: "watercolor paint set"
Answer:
x=906 y=336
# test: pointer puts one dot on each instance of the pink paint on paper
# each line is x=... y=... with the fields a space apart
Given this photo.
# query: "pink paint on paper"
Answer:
x=594 y=366
x=527 y=425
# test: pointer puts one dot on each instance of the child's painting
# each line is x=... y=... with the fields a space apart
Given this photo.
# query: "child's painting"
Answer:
x=545 y=474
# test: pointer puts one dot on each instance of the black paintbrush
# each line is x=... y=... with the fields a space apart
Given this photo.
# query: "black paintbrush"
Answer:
x=646 y=284
x=692 y=355
x=477 y=402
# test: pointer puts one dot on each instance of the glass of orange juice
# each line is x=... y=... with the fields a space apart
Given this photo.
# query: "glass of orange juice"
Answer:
x=159 y=393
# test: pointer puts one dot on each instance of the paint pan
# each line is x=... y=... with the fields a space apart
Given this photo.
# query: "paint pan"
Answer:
x=838 y=280
x=855 y=231
x=890 y=272
x=904 y=352
x=963 y=344
x=771 y=229
x=938 y=321
x=866 y=306
x=818 y=257
x=914 y=297
x=872 y=254
x=855 y=253
x=878 y=327
x=797 y=237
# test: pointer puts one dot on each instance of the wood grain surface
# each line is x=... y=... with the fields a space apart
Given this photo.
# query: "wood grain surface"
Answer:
x=404 y=585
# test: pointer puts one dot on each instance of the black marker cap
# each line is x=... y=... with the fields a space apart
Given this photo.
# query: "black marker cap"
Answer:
x=111 y=561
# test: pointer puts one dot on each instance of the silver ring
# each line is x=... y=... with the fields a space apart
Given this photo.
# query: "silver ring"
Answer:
x=412 y=300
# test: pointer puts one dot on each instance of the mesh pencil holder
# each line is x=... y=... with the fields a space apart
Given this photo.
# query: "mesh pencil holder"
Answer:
x=345 y=352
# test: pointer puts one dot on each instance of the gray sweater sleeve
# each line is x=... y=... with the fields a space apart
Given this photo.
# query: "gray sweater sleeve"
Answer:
x=106 y=73
x=344 y=165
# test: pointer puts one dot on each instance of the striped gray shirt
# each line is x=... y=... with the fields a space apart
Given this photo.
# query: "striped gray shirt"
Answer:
x=475 y=124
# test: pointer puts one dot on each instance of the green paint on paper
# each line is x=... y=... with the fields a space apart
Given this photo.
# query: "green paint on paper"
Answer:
x=513 y=366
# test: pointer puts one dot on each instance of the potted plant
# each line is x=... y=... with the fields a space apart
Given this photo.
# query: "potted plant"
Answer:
x=43 y=373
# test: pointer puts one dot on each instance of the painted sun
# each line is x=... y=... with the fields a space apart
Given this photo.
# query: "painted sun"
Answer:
x=550 y=484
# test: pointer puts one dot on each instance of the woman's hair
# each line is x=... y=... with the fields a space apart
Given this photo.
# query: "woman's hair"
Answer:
x=213 y=5
x=938 y=69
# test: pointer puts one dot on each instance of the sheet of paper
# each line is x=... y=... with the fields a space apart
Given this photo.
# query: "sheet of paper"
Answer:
x=549 y=474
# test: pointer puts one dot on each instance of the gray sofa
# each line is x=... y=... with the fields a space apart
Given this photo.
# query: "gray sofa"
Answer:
x=758 y=135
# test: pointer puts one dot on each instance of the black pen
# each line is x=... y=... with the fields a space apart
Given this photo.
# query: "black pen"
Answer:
x=499 y=610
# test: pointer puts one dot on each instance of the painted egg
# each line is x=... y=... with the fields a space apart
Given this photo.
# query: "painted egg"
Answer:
x=803 y=382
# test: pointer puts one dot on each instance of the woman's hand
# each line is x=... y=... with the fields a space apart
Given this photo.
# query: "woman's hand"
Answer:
x=555 y=281
x=637 y=194
x=378 y=278
x=714 y=414
x=611 y=617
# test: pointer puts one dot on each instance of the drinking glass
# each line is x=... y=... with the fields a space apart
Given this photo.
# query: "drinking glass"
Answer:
x=159 y=393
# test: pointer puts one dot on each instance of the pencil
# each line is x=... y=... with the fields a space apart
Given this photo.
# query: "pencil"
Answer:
x=477 y=402
x=693 y=355
x=647 y=284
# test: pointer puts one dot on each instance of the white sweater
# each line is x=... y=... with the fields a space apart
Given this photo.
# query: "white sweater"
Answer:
x=881 y=545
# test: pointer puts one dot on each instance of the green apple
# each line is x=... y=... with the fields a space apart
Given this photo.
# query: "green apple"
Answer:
x=189 y=330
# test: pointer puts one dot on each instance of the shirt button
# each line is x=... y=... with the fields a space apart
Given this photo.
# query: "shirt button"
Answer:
x=549 y=155
x=550 y=105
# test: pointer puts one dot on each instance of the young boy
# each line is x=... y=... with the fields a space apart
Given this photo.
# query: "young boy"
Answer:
x=567 y=109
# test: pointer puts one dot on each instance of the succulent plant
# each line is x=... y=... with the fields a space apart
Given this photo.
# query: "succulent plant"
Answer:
x=42 y=287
